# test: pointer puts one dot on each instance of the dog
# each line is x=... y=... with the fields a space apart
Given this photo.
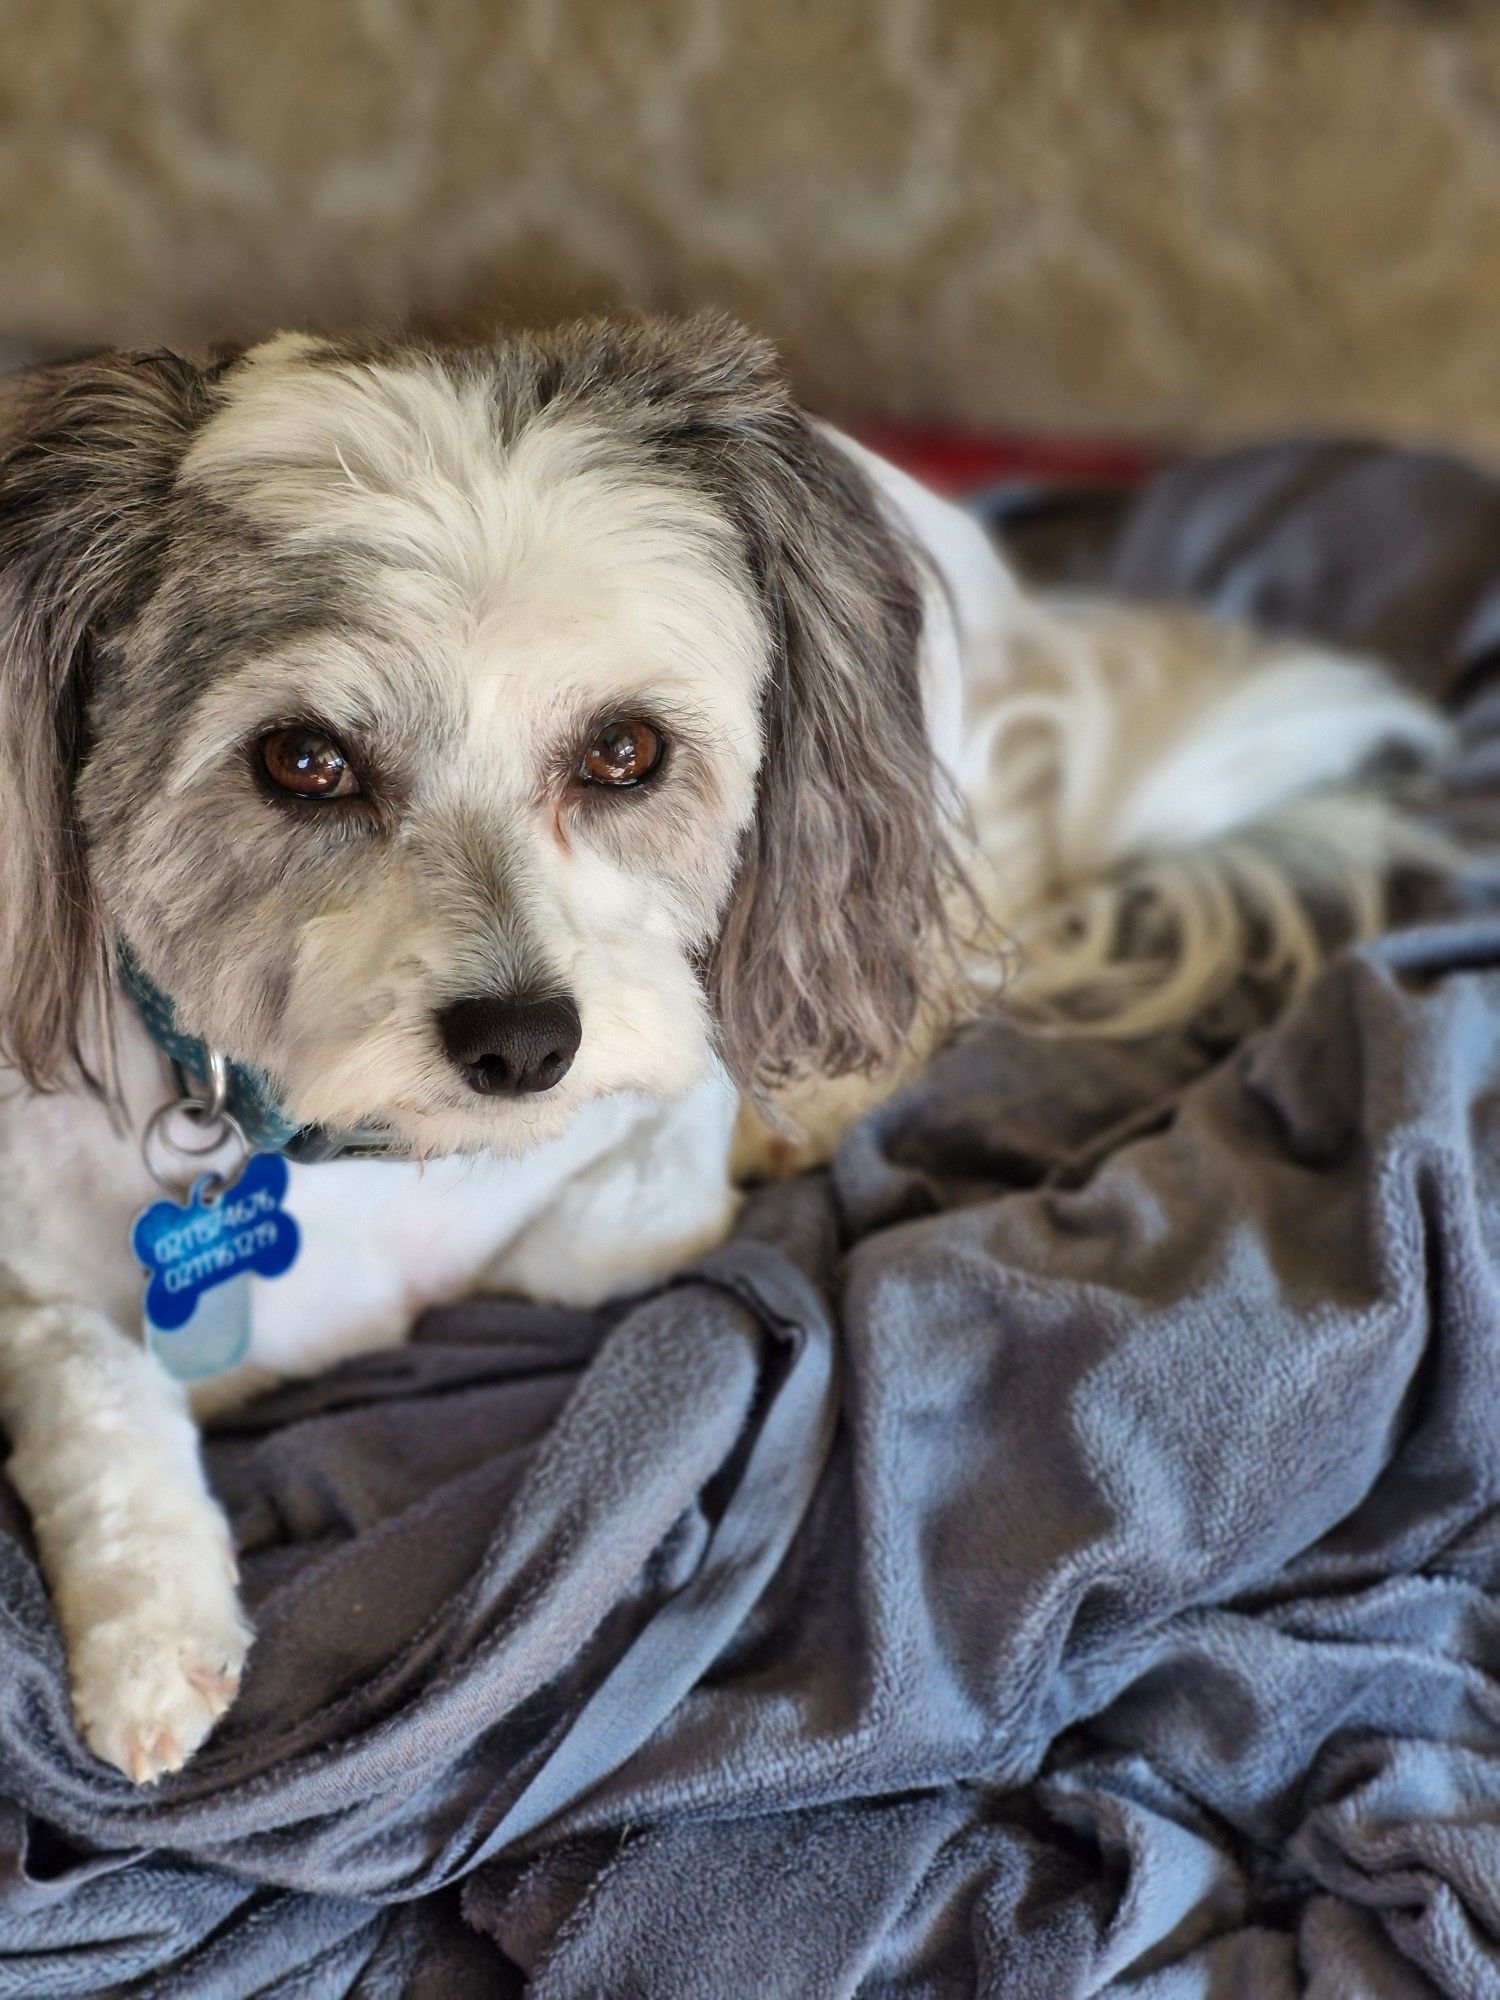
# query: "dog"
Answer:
x=515 y=760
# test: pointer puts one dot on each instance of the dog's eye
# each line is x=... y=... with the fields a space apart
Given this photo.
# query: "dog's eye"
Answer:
x=624 y=751
x=307 y=764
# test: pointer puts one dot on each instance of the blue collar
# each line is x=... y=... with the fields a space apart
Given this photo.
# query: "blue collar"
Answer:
x=251 y=1098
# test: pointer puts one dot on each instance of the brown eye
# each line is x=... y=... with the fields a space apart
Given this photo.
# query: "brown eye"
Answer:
x=624 y=751
x=307 y=764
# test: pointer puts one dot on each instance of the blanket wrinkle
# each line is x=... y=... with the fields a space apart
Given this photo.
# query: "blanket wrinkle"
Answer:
x=1054 y=1552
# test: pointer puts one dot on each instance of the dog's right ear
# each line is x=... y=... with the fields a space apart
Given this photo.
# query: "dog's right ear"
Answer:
x=88 y=455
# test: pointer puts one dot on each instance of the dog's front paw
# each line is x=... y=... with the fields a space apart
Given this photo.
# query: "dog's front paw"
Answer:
x=156 y=1665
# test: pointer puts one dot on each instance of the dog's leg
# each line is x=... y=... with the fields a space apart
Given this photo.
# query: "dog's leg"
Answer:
x=135 y=1549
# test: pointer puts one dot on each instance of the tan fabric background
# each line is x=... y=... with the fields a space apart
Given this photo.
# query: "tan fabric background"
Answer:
x=1194 y=218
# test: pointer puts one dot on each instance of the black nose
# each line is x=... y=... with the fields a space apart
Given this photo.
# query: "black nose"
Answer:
x=508 y=1045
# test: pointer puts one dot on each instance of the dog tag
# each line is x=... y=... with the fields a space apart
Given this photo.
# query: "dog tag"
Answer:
x=199 y=1256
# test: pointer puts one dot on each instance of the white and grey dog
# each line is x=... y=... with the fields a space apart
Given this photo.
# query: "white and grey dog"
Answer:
x=528 y=753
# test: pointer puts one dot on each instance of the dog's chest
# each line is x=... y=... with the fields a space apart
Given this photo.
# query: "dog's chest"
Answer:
x=628 y=1192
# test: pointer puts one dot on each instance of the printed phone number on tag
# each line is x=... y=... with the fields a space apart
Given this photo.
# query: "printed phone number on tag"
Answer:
x=220 y=1256
x=210 y=1226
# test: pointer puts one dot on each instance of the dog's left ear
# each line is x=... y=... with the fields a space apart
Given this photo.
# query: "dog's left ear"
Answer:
x=836 y=930
x=88 y=454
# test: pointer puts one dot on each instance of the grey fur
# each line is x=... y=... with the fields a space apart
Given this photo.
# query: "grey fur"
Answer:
x=84 y=480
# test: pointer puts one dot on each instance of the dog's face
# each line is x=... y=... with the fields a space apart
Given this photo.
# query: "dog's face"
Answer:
x=461 y=735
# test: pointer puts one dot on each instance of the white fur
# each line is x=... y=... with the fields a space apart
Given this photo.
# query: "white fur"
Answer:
x=1086 y=743
x=1202 y=765
x=516 y=589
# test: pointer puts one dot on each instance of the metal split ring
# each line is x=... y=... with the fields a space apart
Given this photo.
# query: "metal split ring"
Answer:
x=215 y=1126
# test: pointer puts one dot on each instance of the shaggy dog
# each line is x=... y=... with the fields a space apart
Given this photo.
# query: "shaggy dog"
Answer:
x=509 y=760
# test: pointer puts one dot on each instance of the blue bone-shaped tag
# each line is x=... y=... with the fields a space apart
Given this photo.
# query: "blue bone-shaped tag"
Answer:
x=190 y=1247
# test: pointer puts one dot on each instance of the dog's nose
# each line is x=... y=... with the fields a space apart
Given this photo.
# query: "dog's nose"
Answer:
x=509 y=1045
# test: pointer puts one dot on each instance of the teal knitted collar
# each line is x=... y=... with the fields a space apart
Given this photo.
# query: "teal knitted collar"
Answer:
x=251 y=1098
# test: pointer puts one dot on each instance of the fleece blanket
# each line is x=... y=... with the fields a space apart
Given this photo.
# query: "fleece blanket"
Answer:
x=1055 y=1552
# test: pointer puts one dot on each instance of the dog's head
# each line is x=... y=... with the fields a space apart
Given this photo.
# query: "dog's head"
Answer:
x=460 y=734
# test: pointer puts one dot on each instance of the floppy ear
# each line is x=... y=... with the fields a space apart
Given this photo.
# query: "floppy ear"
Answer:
x=87 y=457
x=836 y=931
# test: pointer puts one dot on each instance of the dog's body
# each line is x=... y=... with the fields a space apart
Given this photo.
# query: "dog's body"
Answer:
x=461 y=593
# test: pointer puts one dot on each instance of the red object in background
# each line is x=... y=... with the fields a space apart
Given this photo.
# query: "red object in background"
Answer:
x=957 y=461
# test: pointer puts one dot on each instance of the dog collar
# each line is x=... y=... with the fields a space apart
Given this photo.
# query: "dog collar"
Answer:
x=251 y=1100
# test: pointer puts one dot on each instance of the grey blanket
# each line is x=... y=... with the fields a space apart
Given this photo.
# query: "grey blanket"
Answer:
x=1056 y=1553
